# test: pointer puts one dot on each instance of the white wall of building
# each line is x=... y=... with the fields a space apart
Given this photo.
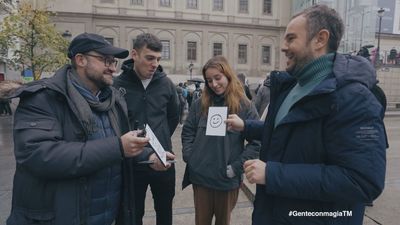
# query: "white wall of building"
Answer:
x=396 y=25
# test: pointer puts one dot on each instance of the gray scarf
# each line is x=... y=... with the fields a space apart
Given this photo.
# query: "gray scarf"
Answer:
x=84 y=106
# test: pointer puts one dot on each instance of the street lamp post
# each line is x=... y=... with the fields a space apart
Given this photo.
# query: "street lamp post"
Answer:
x=191 y=69
x=67 y=35
x=377 y=56
x=362 y=28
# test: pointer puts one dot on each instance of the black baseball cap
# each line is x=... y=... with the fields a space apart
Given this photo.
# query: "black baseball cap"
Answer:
x=87 y=42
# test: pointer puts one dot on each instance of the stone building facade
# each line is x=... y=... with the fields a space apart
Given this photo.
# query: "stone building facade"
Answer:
x=247 y=32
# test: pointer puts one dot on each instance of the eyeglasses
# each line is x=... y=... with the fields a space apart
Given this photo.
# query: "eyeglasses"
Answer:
x=108 y=61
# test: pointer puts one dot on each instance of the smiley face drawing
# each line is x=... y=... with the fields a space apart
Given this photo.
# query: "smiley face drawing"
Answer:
x=215 y=121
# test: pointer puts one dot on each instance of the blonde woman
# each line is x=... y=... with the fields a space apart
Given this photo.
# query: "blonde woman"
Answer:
x=215 y=163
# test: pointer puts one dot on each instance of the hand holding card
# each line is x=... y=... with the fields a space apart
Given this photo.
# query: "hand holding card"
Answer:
x=156 y=145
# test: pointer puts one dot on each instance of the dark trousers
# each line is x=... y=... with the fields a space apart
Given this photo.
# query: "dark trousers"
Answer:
x=162 y=186
x=2 y=108
x=7 y=108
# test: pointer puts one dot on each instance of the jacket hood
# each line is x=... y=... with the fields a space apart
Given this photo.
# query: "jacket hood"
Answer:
x=127 y=65
x=348 y=69
x=56 y=82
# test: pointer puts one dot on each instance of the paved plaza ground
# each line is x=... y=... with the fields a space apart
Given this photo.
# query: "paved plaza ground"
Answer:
x=386 y=209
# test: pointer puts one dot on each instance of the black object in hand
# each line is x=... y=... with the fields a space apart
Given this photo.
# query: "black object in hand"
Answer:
x=142 y=133
x=142 y=130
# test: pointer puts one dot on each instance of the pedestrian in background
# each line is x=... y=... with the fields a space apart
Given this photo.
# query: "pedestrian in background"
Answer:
x=185 y=90
x=7 y=107
x=3 y=111
x=182 y=101
x=215 y=163
x=71 y=137
x=197 y=92
x=323 y=142
x=189 y=98
x=392 y=56
x=152 y=99
x=261 y=101
x=242 y=79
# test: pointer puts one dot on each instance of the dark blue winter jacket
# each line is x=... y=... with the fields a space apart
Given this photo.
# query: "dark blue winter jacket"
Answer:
x=327 y=155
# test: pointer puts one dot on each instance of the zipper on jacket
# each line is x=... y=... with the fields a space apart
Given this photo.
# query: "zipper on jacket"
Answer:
x=145 y=120
x=83 y=189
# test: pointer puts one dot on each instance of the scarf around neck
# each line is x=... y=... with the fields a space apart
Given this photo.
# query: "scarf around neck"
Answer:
x=85 y=105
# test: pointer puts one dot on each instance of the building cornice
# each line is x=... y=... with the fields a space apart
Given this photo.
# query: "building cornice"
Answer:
x=164 y=20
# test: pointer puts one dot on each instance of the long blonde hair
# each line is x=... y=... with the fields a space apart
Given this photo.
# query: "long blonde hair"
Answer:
x=234 y=93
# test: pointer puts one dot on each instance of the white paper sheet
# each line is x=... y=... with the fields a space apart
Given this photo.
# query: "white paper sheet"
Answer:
x=216 y=121
x=158 y=148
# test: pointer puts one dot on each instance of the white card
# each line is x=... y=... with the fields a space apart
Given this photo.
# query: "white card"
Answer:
x=216 y=121
x=158 y=148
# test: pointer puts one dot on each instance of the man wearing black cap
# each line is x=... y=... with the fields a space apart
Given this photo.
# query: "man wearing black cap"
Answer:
x=73 y=146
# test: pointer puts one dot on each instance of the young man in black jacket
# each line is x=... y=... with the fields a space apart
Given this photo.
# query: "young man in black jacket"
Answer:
x=152 y=100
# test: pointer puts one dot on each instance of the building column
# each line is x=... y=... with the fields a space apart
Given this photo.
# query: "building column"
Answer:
x=123 y=37
x=255 y=60
x=178 y=56
x=230 y=51
x=205 y=52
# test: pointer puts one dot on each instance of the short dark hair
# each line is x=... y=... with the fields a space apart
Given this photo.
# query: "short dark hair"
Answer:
x=149 y=41
x=322 y=17
x=73 y=63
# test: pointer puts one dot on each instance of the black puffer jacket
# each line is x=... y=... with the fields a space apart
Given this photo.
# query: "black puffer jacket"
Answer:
x=55 y=159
